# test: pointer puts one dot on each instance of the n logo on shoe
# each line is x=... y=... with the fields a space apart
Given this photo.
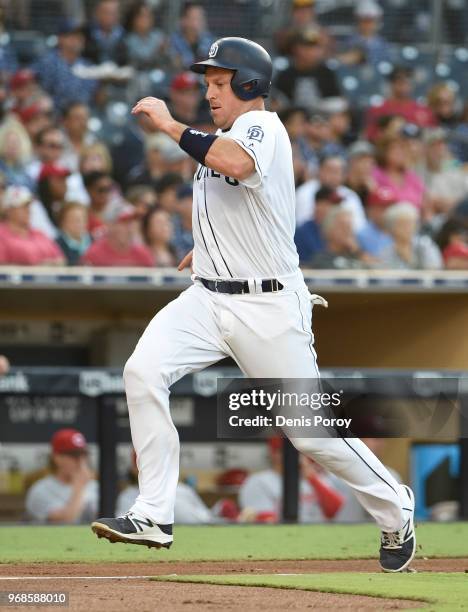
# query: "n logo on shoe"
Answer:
x=139 y=522
x=408 y=531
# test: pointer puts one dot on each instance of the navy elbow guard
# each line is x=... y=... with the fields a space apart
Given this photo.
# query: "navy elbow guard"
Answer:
x=196 y=143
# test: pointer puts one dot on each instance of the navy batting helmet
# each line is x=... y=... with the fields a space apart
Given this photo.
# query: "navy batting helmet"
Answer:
x=250 y=61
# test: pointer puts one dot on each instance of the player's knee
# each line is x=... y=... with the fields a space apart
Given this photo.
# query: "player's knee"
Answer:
x=142 y=378
x=135 y=377
x=131 y=373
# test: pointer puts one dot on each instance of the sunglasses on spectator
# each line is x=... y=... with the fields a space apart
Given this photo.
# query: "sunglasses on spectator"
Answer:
x=54 y=145
x=104 y=188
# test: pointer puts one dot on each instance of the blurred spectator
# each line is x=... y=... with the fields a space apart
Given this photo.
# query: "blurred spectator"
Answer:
x=163 y=155
x=260 y=495
x=308 y=79
x=51 y=190
x=189 y=507
x=456 y=257
x=4 y=365
x=93 y=158
x=400 y=102
x=442 y=100
x=412 y=140
x=128 y=151
x=15 y=152
x=390 y=125
x=331 y=174
x=24 y=89
x=8 y=58
x=338 y=118
x=373 y=237
x=191 y=41
x=35 y=118
x=104 y=35
x=459 y=137
x=315 y=137
x=452 y=240
x=146 y=46
x=157 y=232
x=142 y=198
x=361 y=164
x=365 y=45
x=302 y=18
x=342 y=249
x=445 y=180
x=167 y=188
x=19 y=244
x=182 y=222
x=56 y=69
x=48 y=149
x=3 y=186
x=73 y=237
x=102 y=207
x=75 y=122
x=393 y=173
x=117 y=247
x=294 y=120
x=308 y=238
x=409 y=250
x=70 y=493
x=185 y=101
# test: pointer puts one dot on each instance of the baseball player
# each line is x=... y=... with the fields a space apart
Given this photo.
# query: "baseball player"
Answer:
x=248 y=301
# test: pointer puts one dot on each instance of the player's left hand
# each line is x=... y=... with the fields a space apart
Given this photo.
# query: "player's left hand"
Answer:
x=156 y=110
x=186 y=262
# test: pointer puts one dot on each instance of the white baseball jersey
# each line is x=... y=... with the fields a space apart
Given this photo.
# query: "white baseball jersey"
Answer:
x=246 y=229
x=242 y=230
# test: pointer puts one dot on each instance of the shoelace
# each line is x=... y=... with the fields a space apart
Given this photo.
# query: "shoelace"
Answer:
x=391 y=540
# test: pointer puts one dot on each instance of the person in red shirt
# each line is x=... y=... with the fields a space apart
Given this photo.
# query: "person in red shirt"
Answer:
x=260 y=494
x=400 y=103
x=104 y=201
x=19 y=244
x=117 y=247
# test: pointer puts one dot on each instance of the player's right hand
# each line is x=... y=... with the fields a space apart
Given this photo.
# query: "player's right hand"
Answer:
x=186 y=262
x=156 y=110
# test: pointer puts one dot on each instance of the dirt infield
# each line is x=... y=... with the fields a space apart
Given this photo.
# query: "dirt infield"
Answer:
x=121 y=586
x=161 y=568
x=121 y=595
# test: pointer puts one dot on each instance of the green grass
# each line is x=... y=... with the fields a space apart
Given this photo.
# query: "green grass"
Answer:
x=24 y=544
x=441 y=591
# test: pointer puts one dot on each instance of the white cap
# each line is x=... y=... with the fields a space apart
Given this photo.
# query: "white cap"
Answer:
x=169 y=149
x=333 y=105
x=368 y=8
x=16 y=196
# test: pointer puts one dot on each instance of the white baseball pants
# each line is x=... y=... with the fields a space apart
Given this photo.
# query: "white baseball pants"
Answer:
x=269 y=336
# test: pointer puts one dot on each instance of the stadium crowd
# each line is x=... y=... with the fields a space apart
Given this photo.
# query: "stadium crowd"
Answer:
x=384 y=185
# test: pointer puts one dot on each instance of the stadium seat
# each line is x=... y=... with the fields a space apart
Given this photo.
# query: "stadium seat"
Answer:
x=28 y=45
x=360 y=83
x=457 y=61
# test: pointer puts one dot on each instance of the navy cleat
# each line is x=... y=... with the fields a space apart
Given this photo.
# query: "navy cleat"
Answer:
x=133 y=529
x=398 y=548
